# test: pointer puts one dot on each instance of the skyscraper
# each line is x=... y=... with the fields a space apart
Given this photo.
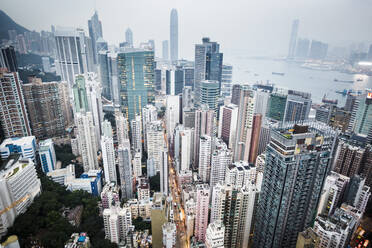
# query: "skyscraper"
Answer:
x=136 y=70
x=125 y=170
x=204 y=125
x=172 y=114
x=298 y=106
x=44 y=107
x=136 y=131
x=165 y=49
x=108 y=154
x=227 y=124
x=208 y=94
x=8 y=59
x=13 y=113
x=155 y=142
x=297 y=161
x=208 y=64
x=293 y=39
x=129 y=37
x=221 y=158
x=205 y=150
x=95 y=32
x=164 y=172
x=174 y=35
x=361 y=117
x=215 y=235
x=201 y=218
x=226 y=80
x=121 y=127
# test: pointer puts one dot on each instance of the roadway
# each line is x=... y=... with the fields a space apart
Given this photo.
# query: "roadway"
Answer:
x=177 y=206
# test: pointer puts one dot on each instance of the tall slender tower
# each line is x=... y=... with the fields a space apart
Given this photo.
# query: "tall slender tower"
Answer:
x=293 y=39
x=95 y=32
x=174 y=35
x=129 y=37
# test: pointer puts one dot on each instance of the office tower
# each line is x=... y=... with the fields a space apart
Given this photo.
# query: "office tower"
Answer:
x=8 y=59
x=235 y=94
x=204 y=125
x=19 y=185
x=64 y=98
x=226 y=80
x=323 y=113
x=72 y=53
x=174 y=81
x=101 y=45
x=336 y=230
x=205 y=150
x=165 y=49
x=208 y=94
x=302 y=49
x=149 y=114
x=155 y=142
x=87 y=140
x=150 y=167
x=245 y=124
x=332 y=193
x=201 y=218
x=307 y=238
x=174 y=35
x=348 y=158
x=164 y=174
x=129 y=37
x=47 y=155
x=189 y=74
x=208 y=64
x=221 y=158
x=169 y=235
x=24 y=146
x=298 y=106
x=121 y=127
x=158 y=81
x=110 y=195
x=95 y=32
x=108 y=67
x=117 y=222
x=136 y=74
x=227 y=124
x=297 y=160
x=276 y=106
x=215 y=235
x=234 y=207
x=255 y=139
x=125 y=170
x=108 y=157
x=137 y=164
x=172 y=114
x=293 y=39
x=361 y=117
x=44 y=107
x=318 y=50
x=136 y=131
x=13 y=113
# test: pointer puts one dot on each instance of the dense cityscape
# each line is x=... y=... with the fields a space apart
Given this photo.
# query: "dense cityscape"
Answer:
x=108 y=145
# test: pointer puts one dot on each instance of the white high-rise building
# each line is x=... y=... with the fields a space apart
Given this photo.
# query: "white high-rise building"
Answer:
x=108 y=157
x=107 y=129
x=47 y=155
x=125 y=170
x=121 y=127
x=155 y=142
x=149 y=114
x=137 y=164
x=117 y=222
x=201 y=215
x=221 y=158
x=136 y=130
x=86 y=134
x=218 y=200
x=240 y=174
x=172 y=114
x=93 y=89
x=164 y=172
x=186 y=149
x=204 y=169
x=332 y=193
x=215 y=235
x=169 y=235
x=228 y=122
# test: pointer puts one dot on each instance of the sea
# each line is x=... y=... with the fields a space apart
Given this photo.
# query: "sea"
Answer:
x=318 y=83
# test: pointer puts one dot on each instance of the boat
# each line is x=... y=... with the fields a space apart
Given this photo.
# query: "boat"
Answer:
x=278 y=73
x=359 y=79
x=343 y=81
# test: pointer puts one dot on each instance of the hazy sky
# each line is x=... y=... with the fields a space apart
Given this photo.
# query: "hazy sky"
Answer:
x=259 y=27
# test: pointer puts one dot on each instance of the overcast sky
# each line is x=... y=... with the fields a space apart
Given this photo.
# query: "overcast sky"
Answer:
x=257 y=27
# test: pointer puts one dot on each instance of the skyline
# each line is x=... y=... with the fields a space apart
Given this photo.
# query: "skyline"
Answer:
x=224 y=25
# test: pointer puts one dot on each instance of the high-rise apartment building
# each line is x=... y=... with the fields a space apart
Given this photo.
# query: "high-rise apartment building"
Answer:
x=155 y=142
x=87 y=140
x=202 y=206
x=108 y=154
x=110 y=195
x=8 y=59
x=174 y=35
x=205 y=150
x=125 y=170
x=149 y=114
x=293 y=39
x=13 y=112
x=136 y=131
x=117 y=222
x=297 y=161
x=221 y=158
x=204 y=125
x=169 y=235
x=136 y=75
x=298 y=106
x=208 y=64
x=172 y=115
x=164 y=171
x=215 y=235
x=121 y=127
x=43 y=104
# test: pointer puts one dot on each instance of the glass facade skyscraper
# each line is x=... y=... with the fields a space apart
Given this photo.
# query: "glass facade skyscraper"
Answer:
x=137 y=75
